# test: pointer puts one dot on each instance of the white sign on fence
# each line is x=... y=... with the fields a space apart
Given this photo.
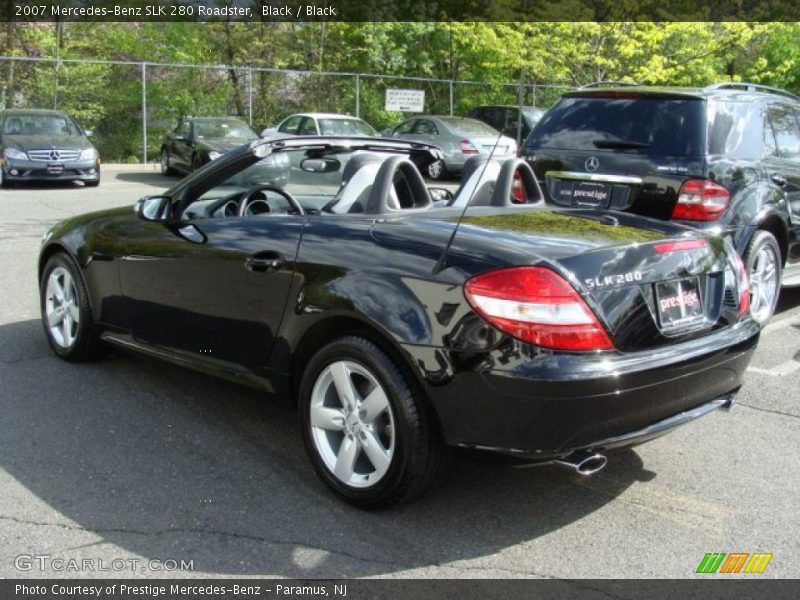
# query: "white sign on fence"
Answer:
x=405 y=100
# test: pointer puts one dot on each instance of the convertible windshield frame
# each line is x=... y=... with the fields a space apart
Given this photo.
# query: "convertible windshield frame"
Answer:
x=323 y=145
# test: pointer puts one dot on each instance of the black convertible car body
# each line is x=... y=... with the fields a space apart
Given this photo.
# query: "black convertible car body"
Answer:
x=541 y=333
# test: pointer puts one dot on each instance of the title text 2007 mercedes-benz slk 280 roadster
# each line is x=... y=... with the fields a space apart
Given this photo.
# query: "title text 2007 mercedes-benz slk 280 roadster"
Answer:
x=396 y=326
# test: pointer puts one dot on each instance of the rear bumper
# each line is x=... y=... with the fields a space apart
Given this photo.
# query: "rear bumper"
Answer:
x=549 y=405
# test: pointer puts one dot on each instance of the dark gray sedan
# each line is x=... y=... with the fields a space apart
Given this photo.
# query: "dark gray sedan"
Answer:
x=46 y=145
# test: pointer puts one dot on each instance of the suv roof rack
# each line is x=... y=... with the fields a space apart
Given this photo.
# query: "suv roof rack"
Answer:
x=751 y=87
x=595 y=84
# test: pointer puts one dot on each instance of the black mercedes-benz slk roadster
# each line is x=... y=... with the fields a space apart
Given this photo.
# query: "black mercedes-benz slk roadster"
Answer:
x=398 y=325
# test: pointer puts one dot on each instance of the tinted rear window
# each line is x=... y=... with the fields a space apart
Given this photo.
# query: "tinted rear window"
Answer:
x=652 y=125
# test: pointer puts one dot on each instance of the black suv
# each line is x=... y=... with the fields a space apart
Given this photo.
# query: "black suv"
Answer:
x=725 y=158
x=505 y=118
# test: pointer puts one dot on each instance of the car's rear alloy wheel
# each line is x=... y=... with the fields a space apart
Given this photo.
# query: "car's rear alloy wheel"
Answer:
x=65 y=311
x=367 y=431
x=352 y=424
x=763 y=262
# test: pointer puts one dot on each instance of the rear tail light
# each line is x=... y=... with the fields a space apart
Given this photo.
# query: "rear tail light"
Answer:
x=744 y=286
x=518 y=195
x=700 y=200
x=538 y=306
x=467 y=147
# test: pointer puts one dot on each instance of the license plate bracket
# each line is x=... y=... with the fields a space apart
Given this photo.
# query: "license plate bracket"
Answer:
x=680 y=304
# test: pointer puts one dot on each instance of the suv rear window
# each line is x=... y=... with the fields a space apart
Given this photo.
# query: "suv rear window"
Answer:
x=631 y=122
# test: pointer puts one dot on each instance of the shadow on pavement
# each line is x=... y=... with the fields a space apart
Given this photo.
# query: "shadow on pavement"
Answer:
x=164 y=462
x=154 y=179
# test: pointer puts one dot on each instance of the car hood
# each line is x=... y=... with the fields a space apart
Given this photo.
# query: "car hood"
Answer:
x=39 y=142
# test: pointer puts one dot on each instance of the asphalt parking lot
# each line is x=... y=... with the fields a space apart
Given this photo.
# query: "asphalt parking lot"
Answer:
x=127 y=458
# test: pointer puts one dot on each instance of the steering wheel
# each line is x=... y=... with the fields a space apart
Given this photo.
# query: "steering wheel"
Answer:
x=248 y=199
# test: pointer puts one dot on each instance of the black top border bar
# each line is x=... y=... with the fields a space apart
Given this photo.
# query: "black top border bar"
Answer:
x=31 y=11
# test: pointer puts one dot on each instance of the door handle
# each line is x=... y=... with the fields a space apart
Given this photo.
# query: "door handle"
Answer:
x=779 y=180
x=264 y=262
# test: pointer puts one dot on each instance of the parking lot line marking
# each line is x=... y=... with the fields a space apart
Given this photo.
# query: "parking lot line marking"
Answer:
x=785 y=368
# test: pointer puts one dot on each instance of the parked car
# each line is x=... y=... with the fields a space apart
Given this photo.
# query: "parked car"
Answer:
x=458 y=137
x=199 y=140
x=722 y=158
x=321 y=124
x=46 y=145
x=544 y=334
x=506 y=118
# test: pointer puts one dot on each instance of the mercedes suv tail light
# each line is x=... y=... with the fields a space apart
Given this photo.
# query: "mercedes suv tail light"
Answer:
x=538 y=306
x=701 y=200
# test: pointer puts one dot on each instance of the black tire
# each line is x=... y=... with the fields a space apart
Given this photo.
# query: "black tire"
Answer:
x=437 y=171
x=763 y=245
x=94 y=183
x=86 y=345
x=197 y=162
x=419 y=454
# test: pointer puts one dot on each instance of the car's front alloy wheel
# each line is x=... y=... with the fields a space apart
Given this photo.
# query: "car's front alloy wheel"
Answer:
x=65 y=311
x=366 y=429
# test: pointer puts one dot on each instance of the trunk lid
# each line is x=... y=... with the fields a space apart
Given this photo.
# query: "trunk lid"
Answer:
x=648 y=282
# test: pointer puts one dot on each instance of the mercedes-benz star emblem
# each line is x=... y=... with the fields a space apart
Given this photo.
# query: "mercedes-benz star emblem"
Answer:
x=54 y=155
x=591 y=164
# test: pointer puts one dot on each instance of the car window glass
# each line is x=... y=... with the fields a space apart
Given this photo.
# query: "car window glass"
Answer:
x=185 y=129
x=659 y=126
x=469 y=127
x=308 y=127
x=734 y=129
x=223 y=129
x=425 y=127
x=355 y=127
x=44 y=125
x=787 y=133
x=290 y=125
x=406 y=127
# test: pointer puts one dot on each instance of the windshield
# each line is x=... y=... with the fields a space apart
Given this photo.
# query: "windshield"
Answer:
x=224 y=128
x=631 y=122
x=47 y=125
x=469 y=127
x=345 y=127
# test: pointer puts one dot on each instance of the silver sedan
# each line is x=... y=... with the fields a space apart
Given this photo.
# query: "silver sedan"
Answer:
x=458 y=137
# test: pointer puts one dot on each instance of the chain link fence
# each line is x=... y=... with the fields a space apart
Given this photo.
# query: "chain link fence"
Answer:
x=131 y=106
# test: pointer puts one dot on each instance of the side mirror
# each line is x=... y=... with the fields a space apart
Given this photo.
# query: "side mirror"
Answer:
x=153 y=208
x=440 y=194
x=88 y=133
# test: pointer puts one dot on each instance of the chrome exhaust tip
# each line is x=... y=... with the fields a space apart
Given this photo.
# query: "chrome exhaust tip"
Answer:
x=583 y=462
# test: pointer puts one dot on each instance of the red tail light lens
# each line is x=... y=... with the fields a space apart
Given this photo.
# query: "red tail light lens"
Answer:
x=518 y=195
x=701 y=200
x=467 y=147
x=744 y=286
x=538 y=306
x=679 y=246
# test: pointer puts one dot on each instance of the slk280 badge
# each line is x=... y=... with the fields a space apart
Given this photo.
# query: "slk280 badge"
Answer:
x=618 y=279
